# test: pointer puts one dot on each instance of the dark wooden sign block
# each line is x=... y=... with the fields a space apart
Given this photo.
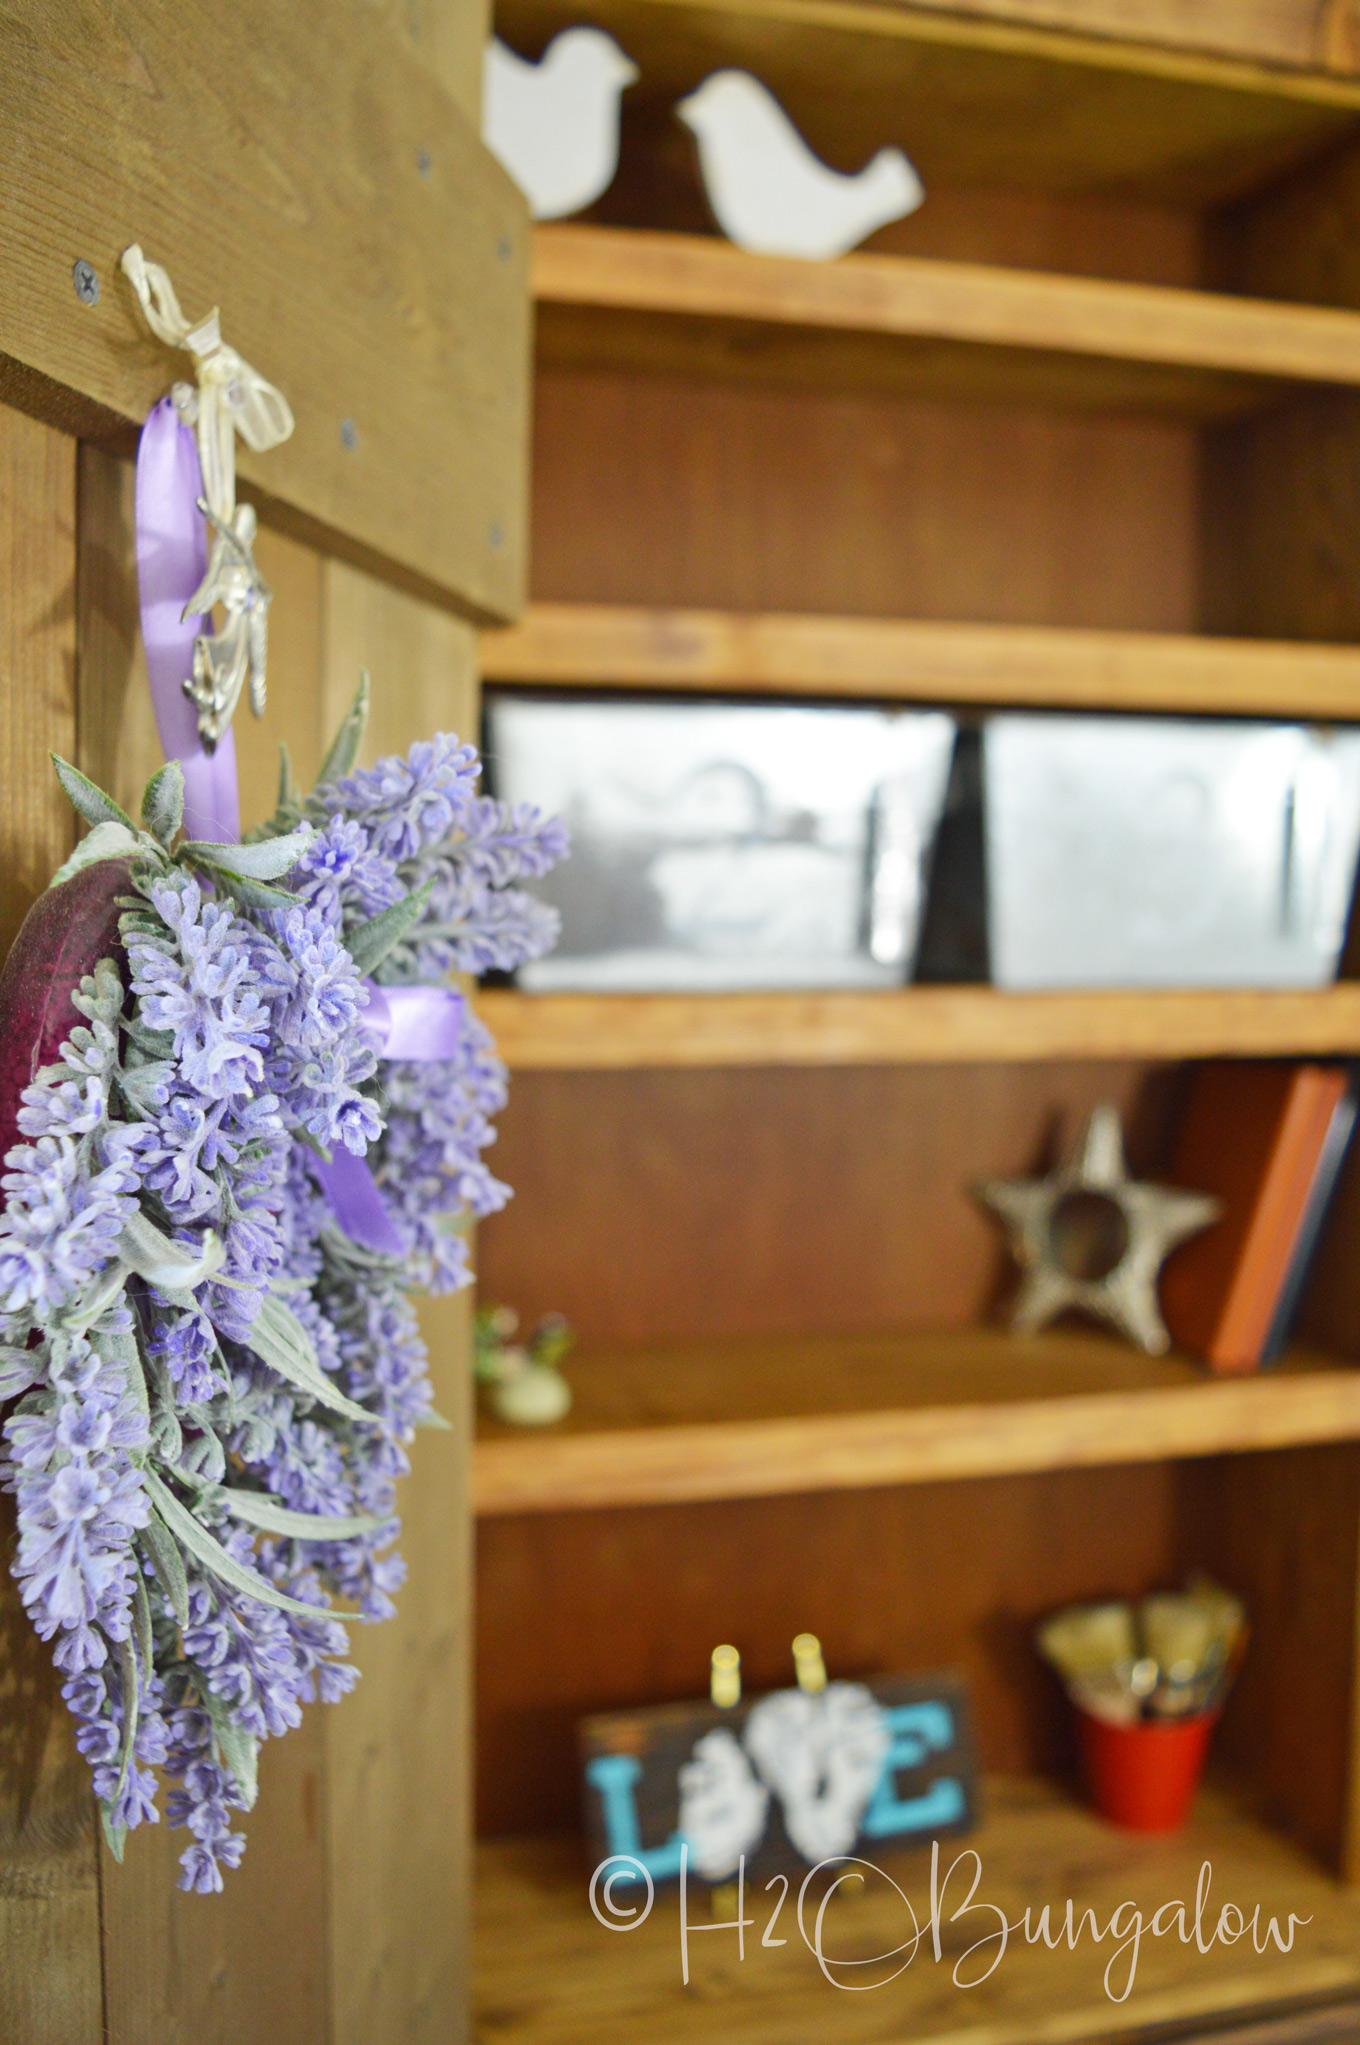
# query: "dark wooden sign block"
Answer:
x=786 y=1781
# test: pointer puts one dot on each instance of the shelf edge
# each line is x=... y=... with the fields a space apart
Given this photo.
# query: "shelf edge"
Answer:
x=852 y=1451
x=914 y=1025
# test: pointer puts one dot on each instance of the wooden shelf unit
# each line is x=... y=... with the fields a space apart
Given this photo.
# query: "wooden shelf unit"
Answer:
x=915 y=1025
x=1080 y=434
x=984 y=102
x=621 y=646
x=663 y=1423
x=1037 y=1845
x=691 y=305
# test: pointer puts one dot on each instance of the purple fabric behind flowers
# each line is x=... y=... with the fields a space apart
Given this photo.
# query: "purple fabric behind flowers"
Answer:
x=198 y=1353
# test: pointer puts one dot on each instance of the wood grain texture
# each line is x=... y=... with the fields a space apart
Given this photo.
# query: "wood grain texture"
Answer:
x=1273 y=31
x=1037 y=1845
x=658 y=185
x=599 y=1611
x=916 y=1025
x=37 y=649
x=993 y=1413
x=50 y=1982
x=981 y=102
x=1284 y=1531
x=449 y=38
x=271 y=163
x=50 y=1991
x=728 y=497
x=1280 y=495
x=619 y=646
x=709 y=1205
x=674 y=301
x=397 y=1750
x=199 y=1970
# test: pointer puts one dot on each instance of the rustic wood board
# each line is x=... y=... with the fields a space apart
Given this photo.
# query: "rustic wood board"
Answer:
x=1297 y=32
x=397 y=1751
x=271 y=160
x=926 y=1025
x=981 y=102
x=929 y=1767
x=1036 y=1845
x=748 y=1420
x=50 y=1992
x=692 y=304
x=593 y=646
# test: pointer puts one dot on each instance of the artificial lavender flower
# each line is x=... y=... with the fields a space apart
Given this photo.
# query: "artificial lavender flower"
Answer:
x=189 y=1334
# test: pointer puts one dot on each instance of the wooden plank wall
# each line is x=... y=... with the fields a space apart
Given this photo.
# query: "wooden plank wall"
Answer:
x=300 y=167
x=346 y=1924
x=49 y=1907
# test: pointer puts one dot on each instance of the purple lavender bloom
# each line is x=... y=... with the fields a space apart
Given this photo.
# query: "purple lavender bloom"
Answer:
x=196 y=1095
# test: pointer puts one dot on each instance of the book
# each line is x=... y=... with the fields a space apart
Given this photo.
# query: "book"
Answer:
x=1268 y=1140
x=1310 y=1229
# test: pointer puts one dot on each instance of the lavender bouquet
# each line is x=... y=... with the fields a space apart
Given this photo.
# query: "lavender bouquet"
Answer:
x=216 y=1386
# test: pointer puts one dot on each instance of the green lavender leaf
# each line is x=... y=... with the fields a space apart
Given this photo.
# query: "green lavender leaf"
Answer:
x=127 y=1667
x=369 y=943
x=141 y=1620
x=207 y=1549
x=261 y=1509
x=106 y=841
x=92 y=803
x=160 y=1544
x=263 y=859
x=163 y=803
x=279 y=1339
x=348 y=740
x=238 y=1749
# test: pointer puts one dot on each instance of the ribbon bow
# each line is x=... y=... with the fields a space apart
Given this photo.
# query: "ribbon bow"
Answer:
x=230 y=398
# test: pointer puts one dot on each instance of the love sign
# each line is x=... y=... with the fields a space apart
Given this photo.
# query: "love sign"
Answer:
x=790 y=1779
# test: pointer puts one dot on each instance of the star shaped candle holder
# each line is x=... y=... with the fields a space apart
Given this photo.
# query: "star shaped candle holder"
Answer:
x=1087 y=1236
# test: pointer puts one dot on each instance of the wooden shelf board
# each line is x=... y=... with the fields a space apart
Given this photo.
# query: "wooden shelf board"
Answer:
x=692 y=304
x=910 y=660
x=915 y=1025
x=668 y=1422
x=980 y=102
x=548 y=1974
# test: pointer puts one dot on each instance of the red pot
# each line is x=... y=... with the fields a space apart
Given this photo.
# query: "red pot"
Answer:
x=1144 y=1777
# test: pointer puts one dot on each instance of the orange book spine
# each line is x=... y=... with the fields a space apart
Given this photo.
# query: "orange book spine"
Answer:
x=1248 y=1309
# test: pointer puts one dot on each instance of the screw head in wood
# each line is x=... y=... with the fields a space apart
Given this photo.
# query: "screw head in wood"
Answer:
x=349 y=434
x=86 y=280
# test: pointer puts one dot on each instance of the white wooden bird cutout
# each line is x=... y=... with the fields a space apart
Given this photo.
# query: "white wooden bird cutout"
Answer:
x=769 y=192
x=554 y=125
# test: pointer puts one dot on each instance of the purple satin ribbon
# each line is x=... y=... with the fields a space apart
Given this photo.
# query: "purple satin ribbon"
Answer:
x=414 y=1022
x=359 y=1207
x=172 y=559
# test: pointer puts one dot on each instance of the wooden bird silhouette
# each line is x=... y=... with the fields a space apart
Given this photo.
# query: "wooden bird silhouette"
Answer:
x=554 y=125
x=769 y=193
